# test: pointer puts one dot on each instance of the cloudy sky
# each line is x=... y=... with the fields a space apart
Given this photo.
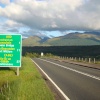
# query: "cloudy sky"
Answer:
x=49 y=17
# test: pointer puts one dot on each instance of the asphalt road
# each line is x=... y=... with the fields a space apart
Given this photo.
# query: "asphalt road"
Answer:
x=77 y=82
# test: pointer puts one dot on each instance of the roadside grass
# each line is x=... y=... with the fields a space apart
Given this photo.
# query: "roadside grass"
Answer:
x=29 y=85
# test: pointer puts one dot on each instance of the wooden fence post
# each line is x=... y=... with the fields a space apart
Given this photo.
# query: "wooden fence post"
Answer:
x=94 y=60
x=75 y=58
x=85 y=59
x=89 y=60
x=79 y=58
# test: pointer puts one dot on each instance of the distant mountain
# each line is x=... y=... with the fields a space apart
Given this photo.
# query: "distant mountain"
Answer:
x=75 y=39
x=93 y=32
x=71 y=39
x=34 y=41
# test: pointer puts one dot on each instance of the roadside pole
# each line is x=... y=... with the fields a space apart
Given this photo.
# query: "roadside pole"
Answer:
x=17 y=71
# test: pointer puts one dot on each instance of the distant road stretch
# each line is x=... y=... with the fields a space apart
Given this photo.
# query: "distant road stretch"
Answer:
x=76 y=82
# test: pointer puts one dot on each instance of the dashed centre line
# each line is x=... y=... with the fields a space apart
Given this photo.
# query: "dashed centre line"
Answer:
x=83 y=73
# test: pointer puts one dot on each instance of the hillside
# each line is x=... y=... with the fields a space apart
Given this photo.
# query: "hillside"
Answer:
x=72 y=39
x=75 y=39
x=32 y=41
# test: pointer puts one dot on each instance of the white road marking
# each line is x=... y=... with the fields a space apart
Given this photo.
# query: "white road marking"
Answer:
x=52 y=82
x=86 y=74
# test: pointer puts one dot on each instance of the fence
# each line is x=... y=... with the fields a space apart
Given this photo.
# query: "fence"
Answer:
x=79 y=59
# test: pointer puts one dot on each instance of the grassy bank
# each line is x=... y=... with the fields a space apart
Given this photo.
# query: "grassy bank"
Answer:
x=28 y=86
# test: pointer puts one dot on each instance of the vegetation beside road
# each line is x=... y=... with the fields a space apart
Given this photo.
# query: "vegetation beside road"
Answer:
x=37 y=55
x=29 y=85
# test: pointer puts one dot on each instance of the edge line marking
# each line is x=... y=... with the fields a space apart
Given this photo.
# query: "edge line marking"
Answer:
x=52 y=81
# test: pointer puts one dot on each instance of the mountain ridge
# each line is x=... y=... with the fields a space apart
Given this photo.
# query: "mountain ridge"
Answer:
x=71 y=39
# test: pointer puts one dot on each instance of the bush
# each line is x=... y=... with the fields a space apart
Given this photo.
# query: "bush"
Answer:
x=32 y=55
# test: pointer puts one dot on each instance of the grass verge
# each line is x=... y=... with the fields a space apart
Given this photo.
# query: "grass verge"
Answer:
x=29 y=85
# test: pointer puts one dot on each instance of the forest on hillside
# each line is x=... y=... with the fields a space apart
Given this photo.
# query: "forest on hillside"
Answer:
x=67 y=51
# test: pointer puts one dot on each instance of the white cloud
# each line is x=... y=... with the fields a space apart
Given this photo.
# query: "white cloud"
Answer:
x=32 y=32
x=7 y=25
x=5 y=2
x=52 y=15
x=11 y=23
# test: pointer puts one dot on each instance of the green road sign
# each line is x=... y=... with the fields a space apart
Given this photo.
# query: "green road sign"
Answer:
x=10 y=50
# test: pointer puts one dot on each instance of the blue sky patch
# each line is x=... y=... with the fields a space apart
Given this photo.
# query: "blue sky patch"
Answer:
x=2 y=5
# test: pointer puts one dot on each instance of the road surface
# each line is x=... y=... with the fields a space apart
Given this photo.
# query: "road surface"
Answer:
x=77 y=82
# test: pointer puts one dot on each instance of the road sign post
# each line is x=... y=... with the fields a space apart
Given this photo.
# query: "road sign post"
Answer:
x=17 y=71
x=10 y=50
